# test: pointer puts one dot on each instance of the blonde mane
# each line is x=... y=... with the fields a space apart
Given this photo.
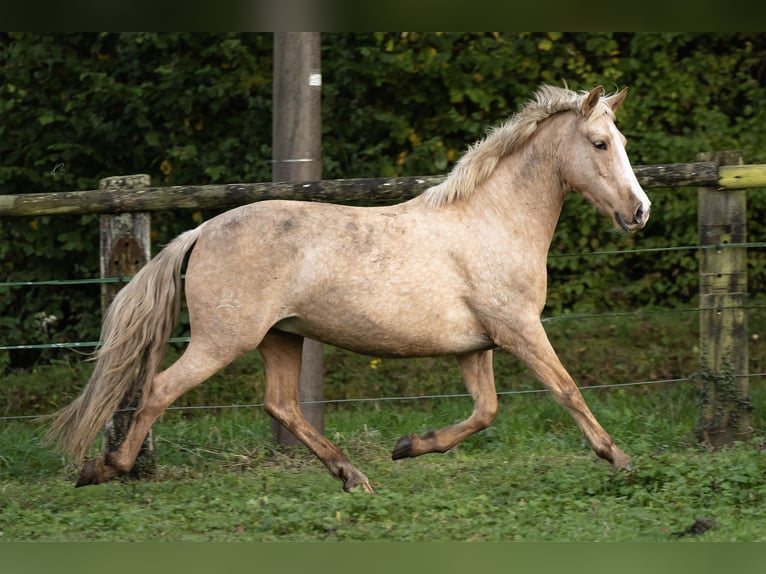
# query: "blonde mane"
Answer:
x=478 y=163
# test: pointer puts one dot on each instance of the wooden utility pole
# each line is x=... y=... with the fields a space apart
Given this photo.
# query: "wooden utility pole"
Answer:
x=725 y=405
x=125 y=248
x=297 y=148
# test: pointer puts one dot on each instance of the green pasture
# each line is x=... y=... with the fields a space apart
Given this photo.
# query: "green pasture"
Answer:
x=530 y=477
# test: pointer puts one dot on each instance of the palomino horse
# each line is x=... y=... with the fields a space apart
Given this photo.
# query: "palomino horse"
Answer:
x=458 y=270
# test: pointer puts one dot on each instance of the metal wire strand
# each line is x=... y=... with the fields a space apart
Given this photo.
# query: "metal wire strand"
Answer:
x=687 y=379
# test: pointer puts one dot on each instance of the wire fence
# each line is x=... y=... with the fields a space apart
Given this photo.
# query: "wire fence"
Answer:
x=564 y=317
x=389 y=399
x=688 y=379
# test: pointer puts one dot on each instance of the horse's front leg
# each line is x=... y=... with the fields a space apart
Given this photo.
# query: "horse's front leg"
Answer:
x=532 y=346
x=281 y=354
x=479 y=379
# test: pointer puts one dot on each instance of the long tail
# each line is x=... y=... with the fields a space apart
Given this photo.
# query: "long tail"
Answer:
x=134 y=335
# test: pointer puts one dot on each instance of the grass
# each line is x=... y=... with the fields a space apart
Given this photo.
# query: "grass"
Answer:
x=529 y=477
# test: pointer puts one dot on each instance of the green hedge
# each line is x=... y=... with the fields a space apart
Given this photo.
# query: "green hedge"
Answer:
x=196 y=109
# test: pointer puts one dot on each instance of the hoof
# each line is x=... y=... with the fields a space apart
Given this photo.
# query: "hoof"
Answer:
x=365 y=485
x=403 y=448
x=357 y=480
x=621 y=461
x=95 y=472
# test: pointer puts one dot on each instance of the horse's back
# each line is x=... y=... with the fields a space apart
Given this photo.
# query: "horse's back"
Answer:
x=374 y=280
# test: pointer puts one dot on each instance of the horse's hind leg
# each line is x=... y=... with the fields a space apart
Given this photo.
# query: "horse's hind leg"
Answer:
x=480 y=381
x=193 y=367
x=281 y=354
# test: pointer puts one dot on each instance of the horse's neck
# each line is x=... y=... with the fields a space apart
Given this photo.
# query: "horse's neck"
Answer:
x=526 y=192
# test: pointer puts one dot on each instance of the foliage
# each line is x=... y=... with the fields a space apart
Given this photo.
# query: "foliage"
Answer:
x=196 y=109
x=75 y=108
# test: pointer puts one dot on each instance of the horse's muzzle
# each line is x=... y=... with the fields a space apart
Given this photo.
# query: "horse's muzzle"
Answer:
x=638 y=221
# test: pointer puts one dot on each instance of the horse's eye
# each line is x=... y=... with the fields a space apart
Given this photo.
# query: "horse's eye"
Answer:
x=599 y=145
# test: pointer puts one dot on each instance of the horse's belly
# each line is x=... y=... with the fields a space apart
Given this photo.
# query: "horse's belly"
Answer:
x=389 y=340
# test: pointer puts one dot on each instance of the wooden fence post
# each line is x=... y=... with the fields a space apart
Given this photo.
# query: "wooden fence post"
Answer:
x=722 y=219
x=125 y=248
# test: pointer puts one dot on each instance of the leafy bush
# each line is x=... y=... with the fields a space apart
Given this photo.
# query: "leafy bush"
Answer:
x=196 y=109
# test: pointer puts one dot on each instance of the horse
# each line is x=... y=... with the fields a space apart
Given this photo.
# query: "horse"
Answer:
x=459 y=270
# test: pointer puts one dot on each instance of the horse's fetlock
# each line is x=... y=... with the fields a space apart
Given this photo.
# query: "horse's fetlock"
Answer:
x=428 y=435
x=340 y=468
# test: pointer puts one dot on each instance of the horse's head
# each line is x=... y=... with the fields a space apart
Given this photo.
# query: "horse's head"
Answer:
x=598 y=165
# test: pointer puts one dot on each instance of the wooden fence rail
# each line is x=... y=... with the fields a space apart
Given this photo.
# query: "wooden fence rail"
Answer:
x=725 y=404
x=376 y=191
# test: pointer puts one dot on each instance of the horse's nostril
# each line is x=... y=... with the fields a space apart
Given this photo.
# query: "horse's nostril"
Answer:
x=639 y=217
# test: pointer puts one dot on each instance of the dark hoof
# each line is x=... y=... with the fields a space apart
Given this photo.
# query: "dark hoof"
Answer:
x=403 y=448
x=88 y=473
x=95 y=472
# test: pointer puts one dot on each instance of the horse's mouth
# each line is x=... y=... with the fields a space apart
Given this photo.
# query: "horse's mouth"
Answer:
x=628 y=227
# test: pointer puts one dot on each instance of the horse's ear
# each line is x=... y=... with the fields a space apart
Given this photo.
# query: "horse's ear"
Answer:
x=615 y=100
x=591 y=100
